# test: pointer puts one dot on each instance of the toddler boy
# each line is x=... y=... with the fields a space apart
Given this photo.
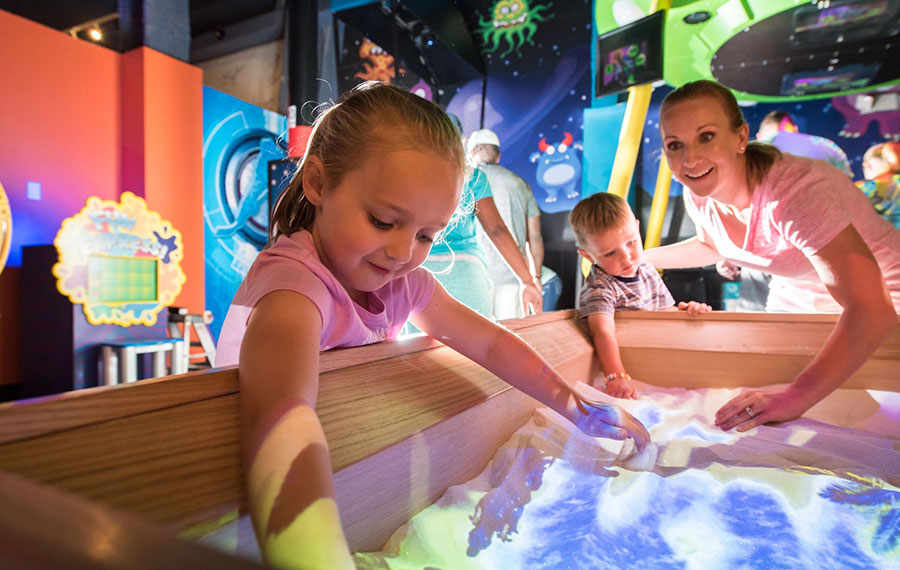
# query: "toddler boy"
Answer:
x=619 y=280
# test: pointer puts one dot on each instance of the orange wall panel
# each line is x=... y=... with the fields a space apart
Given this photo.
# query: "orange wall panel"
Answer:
x=162 y=151
x=173 y=159
x=83 y=120
x=59 y=126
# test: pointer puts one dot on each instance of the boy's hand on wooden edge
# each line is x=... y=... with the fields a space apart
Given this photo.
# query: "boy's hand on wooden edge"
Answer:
x=694 y=308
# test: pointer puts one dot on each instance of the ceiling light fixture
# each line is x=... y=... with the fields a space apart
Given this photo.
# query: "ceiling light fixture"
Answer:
x=92 y=27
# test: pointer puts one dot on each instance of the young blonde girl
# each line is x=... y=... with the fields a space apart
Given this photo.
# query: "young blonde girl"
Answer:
x=380 y=180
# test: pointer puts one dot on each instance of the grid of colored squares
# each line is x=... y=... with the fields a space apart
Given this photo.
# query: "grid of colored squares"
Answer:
x=122 y=279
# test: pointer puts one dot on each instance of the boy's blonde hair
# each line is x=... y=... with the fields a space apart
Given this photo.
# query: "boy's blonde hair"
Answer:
x=371 y=118
x=598 y=213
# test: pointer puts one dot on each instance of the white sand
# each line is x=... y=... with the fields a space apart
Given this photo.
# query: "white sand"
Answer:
x=818 y=492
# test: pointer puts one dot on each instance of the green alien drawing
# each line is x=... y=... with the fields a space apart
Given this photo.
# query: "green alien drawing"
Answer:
x=512 y=21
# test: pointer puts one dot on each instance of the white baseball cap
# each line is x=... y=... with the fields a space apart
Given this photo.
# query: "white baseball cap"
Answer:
x=483 y=136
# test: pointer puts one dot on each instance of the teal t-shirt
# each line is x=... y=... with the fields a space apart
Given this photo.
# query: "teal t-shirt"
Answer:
x=461 y=236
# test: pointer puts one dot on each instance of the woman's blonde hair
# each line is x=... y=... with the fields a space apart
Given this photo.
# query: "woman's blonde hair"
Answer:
x=760 y=156
x=372 y=117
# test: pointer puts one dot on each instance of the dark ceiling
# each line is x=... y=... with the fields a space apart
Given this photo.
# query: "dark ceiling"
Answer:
x=211 y=21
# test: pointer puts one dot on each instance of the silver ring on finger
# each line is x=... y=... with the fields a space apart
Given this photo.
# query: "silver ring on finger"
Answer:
x=750 y=412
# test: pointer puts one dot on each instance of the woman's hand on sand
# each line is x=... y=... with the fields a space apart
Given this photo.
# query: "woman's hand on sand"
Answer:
x=756 y=407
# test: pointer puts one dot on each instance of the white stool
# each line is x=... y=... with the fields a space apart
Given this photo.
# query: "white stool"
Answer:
x=120 y=358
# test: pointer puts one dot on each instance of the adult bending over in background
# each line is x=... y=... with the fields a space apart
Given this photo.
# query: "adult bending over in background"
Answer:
x=801 y=220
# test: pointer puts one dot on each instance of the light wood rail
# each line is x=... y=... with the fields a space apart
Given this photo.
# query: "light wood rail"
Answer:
x=404 y=419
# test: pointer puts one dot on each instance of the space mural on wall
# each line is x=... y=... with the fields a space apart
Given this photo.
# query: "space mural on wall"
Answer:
x=364 y=60
x=538 y=61
x=239 y=140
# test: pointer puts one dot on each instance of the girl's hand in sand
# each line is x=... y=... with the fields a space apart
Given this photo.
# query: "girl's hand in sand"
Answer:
x=606 y=420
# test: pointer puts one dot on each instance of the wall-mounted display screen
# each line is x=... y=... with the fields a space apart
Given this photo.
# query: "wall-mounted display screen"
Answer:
x=838 y=14
x=122 y=279
x=826 y=24
x=844 y=78
x=630 y=55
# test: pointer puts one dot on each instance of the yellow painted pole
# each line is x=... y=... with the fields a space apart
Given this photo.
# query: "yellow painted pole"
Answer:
x=630 y=139
x=659 y=204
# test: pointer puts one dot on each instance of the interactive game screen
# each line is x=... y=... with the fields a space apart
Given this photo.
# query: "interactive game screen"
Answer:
x=843 y=78
x=630 y=55
x=122 y=279
x=839 y=14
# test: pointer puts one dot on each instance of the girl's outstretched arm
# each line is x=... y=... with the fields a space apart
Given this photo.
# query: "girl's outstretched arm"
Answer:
x=514 y=361
x=287 y=468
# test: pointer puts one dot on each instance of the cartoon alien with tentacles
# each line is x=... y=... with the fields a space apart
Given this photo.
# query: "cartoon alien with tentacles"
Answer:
x=513 y=21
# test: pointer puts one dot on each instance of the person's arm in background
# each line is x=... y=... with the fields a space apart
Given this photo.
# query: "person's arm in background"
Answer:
x=535 y=244
x=688 y=253
x=286 y=465
x=534 y=239
x=850 y=272
x=495 y=228
x=509 y=357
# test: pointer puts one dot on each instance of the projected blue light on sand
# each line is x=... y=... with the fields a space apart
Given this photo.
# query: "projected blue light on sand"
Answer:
x=801 y=495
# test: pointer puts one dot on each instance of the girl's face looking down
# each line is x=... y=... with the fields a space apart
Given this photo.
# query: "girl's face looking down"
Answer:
x=379 y=222
x=702 y=150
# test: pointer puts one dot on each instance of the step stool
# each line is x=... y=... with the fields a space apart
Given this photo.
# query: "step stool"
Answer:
x=180 y=324
x=119 y=358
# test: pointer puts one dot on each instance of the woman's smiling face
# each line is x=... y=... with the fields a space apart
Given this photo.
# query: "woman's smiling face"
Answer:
x=703 y=151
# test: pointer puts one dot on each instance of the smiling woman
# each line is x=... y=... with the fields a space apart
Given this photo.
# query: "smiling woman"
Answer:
x=801 y=220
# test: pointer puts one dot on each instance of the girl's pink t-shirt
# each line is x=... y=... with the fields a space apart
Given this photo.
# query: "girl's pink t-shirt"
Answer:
x=293 y=264
x=798 y=208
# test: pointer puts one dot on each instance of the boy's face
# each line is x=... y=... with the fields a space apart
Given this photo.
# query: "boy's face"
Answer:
x=618 y=251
